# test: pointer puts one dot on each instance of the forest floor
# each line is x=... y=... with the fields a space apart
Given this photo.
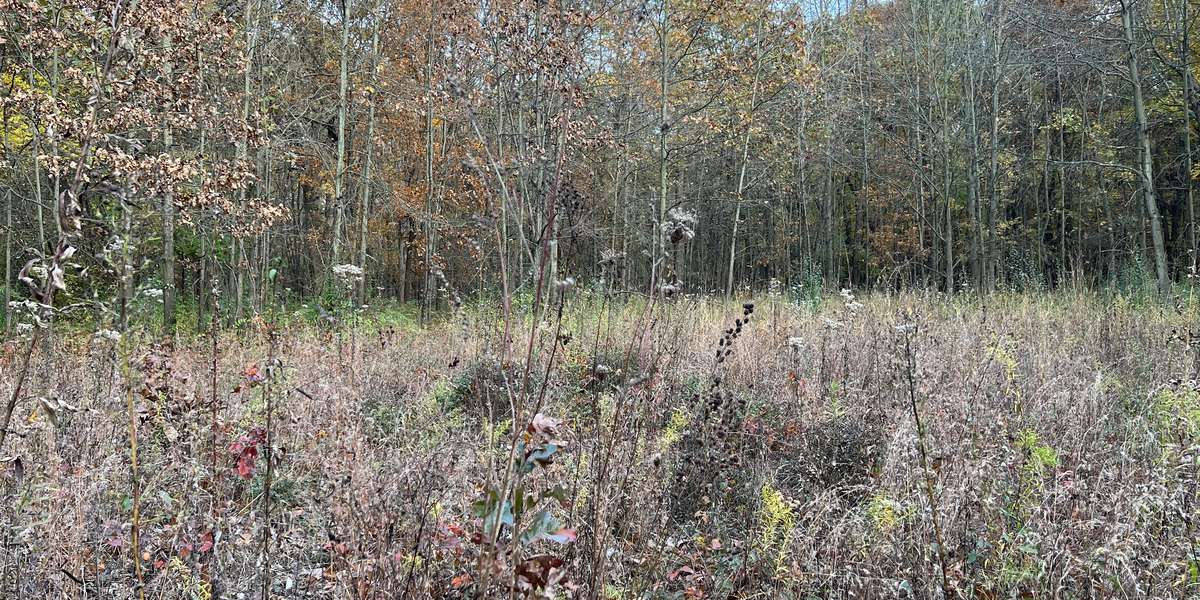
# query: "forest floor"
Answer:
x=890 y=446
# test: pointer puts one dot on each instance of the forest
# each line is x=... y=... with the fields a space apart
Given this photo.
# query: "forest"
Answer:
x=601 y=299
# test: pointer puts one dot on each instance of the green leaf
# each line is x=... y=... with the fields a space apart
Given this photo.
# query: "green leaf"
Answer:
x=543 y=526
x=559 y=493
x=523 y=501
x=493 y=513
x=542 y=455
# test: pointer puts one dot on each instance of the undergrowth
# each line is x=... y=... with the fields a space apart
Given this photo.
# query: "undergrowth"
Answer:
x=678 y=448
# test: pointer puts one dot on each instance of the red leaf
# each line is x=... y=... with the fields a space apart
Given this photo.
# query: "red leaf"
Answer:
x=245 y=465
x=543 y=424
x=207 y=544
x=681 y=571
x=564 y=536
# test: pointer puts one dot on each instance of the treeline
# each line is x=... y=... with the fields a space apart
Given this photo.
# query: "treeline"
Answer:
x=241 y=150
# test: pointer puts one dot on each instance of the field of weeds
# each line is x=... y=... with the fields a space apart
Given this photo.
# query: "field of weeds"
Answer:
x=881 y=447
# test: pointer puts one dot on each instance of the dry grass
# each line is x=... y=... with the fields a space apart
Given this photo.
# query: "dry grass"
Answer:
x=1061 y=436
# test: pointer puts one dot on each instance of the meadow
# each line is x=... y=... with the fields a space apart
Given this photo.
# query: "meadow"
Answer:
x=509 y=299
x=879 y=447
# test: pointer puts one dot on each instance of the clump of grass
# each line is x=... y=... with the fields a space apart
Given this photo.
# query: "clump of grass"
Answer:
x=841 y=453
x=1176 y=413
x=477 y=389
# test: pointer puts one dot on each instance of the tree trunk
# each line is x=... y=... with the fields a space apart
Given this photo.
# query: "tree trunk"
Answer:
x=802 y=175
x=8 y=240
x=168 y=226
x=1186 y=54
x=973 y=183
x=1062 y=181
x=993 y=245
x=864 y=200
x=365 y=208
x=427 y=288
x=946 y=180
x=741 y=184
x=660 y=250
x=1146 y=163
x=339 y=176
x=168 y=266
x=831 y=275
x=243 y=154
x=126 y=266
x=37 y=174
x=240 y=266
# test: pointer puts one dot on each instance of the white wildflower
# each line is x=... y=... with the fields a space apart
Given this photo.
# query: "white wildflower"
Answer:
x=348 y=273
x=564 y=285
x=680 y=225
x=106 y=334
x=114 y=245
x=774 y=287
x=831 y=324
x=609 y=256
x=851 y=302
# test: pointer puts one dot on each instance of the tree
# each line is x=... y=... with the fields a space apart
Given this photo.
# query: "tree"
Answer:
x=1145 y=157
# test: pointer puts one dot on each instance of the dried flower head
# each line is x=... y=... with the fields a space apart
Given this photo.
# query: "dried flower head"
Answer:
x=106 y=335
x=680 y=225
x=348 y=274
x=850 y=301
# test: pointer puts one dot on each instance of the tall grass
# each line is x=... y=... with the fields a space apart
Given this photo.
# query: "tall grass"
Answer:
x=887 y=446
